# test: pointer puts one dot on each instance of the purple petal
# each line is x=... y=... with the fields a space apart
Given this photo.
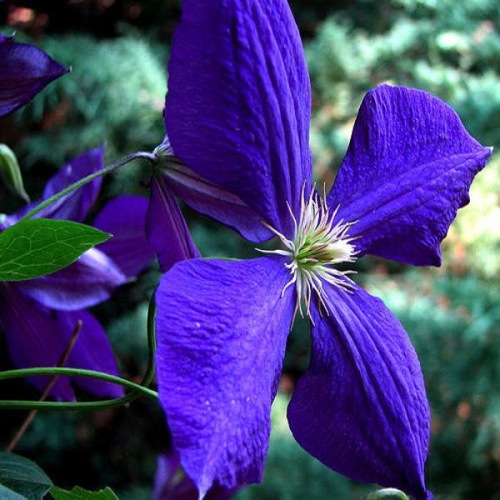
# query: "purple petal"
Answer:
x=37 y=336
x=88 y=281
x=211 y=200
x=24 y=71
x=238 y=113
x=221 y=334
x=92 y=351
x=407 y=171
x=125 y=218
x=75 y=205
x=166 y=227
x=361 y=407
x=167 y=466
x=172 y=484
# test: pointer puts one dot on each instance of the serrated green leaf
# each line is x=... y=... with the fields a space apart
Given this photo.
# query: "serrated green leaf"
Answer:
x=78 y=493
x=21 y=476
x=37 y=247
x=10 y=172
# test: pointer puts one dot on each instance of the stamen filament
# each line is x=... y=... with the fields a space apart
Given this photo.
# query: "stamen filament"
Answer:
x=319 y=243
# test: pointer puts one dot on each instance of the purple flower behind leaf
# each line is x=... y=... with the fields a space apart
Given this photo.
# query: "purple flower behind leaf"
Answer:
x=237 y=113
x=24 y=71
x=38 y=316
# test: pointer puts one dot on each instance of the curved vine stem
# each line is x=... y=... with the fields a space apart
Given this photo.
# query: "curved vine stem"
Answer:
x=137 y=389
x=76 y=372
x=89 y=178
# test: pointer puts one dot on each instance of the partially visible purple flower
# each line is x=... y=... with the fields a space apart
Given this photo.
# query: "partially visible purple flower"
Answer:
x=171 y=483
x=38 y=316
x=237 y=113
x=24 y=71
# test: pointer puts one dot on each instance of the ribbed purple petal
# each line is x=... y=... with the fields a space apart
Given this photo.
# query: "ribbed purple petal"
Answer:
x=75 y=205
x=37 y=336
x=361 y=407
x=238 y=102
x=166 y=227
x=24 y=71
x=88 y=281
x=125 y=218
x=221 y=334
x=407 y=171
x=211 y=200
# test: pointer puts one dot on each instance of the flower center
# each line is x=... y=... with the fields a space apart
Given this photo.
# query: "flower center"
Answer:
x=320 y=243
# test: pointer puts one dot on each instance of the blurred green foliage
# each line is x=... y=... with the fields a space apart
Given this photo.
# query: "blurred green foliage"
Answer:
x=453 y=323
x=292 y=474
x=473 y=242
x=448 y=48
x=115 y=94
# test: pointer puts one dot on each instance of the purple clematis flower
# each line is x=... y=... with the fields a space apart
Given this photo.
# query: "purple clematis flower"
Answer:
x=237 y=113
x=38 y=316
x=24 y=71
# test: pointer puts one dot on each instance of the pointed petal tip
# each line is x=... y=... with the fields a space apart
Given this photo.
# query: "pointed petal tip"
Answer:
x=211 y=315
x=26 y=70
x=361 y=407
x=407 y=171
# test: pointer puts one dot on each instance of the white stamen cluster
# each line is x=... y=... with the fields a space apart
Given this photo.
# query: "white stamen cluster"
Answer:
x=319 y=244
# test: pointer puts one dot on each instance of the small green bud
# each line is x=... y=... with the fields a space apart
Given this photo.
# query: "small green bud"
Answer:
x=387 y=494
x=164 y=150
x=11 y=173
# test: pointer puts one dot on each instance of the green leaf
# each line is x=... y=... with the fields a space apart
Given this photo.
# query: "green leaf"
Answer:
x=8 y=494
x=11 y=173
x=21 y=476
x=37 y=247
x=78 y=493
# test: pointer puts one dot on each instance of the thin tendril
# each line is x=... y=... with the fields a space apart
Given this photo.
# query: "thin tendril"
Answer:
x=76 y=372
x=32 y=414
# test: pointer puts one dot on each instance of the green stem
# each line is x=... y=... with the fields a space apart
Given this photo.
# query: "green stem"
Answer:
x=19 y=404
x=76 y=372
x=150 y=369
x=89 y=178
